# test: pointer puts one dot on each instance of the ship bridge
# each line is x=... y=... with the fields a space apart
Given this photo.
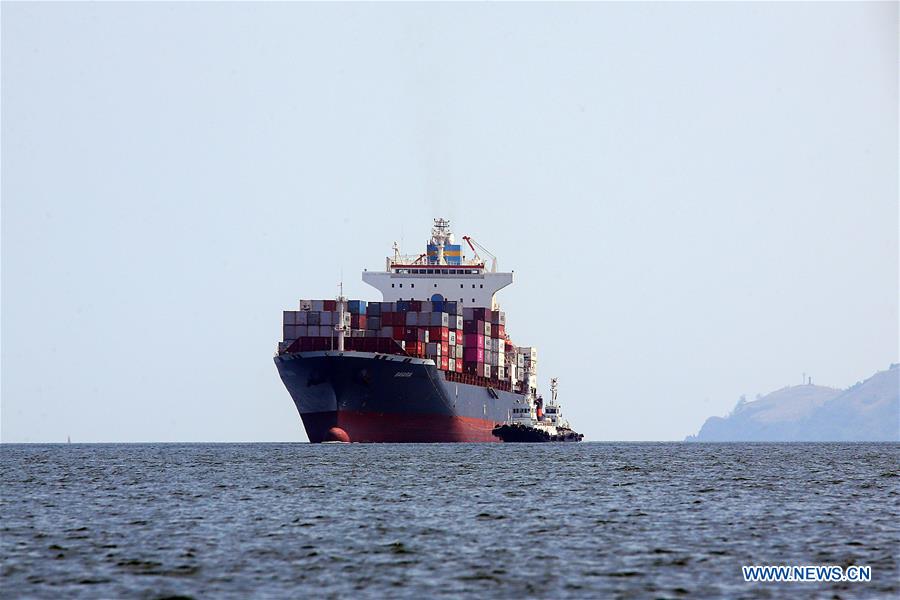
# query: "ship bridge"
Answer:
x=442 y=272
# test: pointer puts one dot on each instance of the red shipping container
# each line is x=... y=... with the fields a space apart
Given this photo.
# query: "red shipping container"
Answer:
x=357 y=321
x=445 y=363
x=474 y=341
x=398 y=332
x=501 y=332
x=473 y=355
x=481 y=314
x=459 y=365
x=330 y=305
x=438 y=334
x=415 y=305
x=445 y=349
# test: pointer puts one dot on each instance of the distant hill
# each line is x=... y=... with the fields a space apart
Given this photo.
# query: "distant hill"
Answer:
x=866 y=412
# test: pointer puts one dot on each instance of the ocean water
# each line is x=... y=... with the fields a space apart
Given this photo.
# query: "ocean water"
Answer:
x=588 y=520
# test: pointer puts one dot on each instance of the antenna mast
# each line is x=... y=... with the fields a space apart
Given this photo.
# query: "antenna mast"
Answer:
x=341 y=330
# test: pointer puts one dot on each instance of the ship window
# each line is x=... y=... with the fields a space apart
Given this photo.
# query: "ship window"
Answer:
x=430 y=271
x=392 y=285
x=414 y=285
x=473 y=286
x=401 y=285
x=460 y=285
x=435 y=285
x=482 y=285
x=473 y=300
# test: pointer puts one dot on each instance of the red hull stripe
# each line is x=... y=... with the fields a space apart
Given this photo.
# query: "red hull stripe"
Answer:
x=397 y=428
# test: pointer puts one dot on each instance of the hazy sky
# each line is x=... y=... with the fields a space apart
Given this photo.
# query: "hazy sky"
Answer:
x=699 y=200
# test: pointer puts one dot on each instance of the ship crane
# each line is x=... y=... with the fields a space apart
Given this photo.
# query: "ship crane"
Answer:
x=473 y=244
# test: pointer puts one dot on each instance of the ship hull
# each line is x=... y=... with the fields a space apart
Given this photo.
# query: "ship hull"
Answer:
x=369 y=397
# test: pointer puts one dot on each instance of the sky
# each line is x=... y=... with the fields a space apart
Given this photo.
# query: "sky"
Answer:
x=699 y=201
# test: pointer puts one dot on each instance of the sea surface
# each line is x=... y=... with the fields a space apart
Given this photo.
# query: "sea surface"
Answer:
x=590 y=520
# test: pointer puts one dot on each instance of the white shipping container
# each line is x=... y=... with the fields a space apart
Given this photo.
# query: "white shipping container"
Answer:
x=487 y=329
x=487 y=370
x=501 y=373
x=451 y=364
x=501 y=359
x=459 y=323
x=306 y=305
x=487 y=344
x=452 y=338
x=459 y=352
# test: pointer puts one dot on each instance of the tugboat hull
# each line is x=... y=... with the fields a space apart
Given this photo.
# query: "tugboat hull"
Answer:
x=522 y=433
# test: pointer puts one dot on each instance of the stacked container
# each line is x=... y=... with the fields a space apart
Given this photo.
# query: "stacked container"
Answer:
x=461 y=340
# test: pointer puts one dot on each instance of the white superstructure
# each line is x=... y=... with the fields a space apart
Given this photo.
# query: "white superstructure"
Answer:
x=441 y=273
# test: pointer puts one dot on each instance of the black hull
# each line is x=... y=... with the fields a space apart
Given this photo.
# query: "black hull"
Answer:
x=523 y=434
x=370 y=397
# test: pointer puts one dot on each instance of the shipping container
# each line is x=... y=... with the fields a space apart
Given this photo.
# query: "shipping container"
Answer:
x=412 y=319
x=306 y=305
x=473 y=326
x=459 y=352
x=357 y=321
x=487 y=329
x=403 y=306
x=356 y=307
x=301 y=317
x=445 y=362
x=473 y=340
x=373 y=322
x=317 y=305
x=330 y=305
x=451 y=337
x=314 y=317
x=289 y=317
x=451 y=364
x=488 y=344
x=415 y=305
x=473 y=355
x=373 y=309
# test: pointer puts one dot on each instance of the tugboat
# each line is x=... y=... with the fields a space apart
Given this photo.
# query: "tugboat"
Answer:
x=528 y=421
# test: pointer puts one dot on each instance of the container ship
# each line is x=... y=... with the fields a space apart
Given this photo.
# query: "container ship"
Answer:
x=431 y=362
